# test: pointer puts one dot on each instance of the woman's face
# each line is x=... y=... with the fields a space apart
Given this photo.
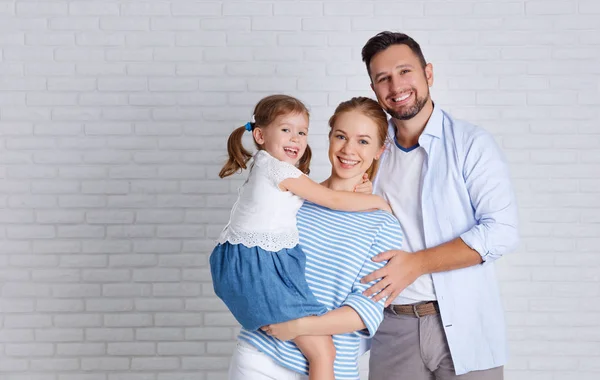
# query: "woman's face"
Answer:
x=353 y=145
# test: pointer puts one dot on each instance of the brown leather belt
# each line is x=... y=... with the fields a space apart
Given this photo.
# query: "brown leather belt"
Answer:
x=416 y=310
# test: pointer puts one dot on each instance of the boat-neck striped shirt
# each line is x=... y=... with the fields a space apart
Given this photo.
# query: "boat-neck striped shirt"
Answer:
x=339 y=247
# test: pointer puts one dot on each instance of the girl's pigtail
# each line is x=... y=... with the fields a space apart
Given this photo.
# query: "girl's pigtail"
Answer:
x=238 y=155
x=304 y=163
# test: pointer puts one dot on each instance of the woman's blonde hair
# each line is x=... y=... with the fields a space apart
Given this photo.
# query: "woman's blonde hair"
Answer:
x=265 y=112
x=372 y=110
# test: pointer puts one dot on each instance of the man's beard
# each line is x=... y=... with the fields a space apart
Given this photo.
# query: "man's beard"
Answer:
x=409 y=112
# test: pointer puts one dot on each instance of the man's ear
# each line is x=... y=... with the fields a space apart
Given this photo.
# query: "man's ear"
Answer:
x=258 y=136
x=429 y=74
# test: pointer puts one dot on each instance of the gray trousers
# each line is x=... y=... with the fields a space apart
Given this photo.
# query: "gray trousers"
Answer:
x=409 y=348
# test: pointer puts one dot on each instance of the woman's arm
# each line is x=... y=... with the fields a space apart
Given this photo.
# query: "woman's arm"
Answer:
x=306 y=188
x=339 y=321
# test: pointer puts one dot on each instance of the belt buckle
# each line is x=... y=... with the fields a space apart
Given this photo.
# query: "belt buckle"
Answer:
x=415 y=310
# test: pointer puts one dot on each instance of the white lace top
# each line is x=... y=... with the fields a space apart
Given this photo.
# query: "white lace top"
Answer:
x=264 y=215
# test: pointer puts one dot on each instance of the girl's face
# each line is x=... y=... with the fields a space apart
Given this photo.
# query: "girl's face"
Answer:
x=353 y=145
x=285 y=138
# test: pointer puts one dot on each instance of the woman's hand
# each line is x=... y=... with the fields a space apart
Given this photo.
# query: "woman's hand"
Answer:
x=365 y=187
x=284 y=331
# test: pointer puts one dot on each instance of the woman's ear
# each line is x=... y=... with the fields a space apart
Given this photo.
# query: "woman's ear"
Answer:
x=258 y=136
x=379 y=153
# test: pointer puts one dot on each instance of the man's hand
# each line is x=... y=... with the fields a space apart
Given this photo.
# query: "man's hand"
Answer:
x=402 y=269
x=365 y=187
x=284 y=331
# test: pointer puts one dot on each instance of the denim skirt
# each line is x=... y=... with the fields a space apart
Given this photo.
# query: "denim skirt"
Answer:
x=261 y=287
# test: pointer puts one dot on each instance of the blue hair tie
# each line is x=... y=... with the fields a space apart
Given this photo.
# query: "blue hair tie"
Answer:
x=248 y=126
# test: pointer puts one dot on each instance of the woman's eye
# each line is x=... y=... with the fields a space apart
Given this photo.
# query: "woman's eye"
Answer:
x=285 y=130
x=365 y=142
x=302 y=133
x=341 y=137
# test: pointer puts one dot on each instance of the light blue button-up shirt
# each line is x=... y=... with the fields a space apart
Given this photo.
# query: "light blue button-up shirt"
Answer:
x=466 y=193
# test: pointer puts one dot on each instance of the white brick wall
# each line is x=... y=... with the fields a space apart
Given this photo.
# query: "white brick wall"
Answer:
x=113 y=122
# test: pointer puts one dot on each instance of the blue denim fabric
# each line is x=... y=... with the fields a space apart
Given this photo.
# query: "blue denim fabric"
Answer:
x=261 y=287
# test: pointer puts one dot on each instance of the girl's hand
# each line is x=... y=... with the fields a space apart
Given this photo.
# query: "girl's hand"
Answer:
x=284 y=331
x=365 y=187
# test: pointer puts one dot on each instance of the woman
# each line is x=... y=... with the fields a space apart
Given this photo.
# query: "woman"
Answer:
x=338 y=247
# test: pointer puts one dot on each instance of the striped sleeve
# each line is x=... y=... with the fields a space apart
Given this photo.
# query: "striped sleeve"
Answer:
x=389 y=237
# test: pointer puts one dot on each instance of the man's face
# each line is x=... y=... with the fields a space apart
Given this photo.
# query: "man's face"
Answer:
x=399 y=81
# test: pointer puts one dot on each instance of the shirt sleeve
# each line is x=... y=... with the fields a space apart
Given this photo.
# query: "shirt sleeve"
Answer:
x=390 y=237
x=276 y=170
x=488 y=182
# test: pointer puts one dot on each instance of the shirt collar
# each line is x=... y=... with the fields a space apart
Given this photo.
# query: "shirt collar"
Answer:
x=435 y=123
x=433 y=127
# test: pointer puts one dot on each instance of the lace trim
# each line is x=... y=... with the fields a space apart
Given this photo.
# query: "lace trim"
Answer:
x=277 y=170
x=268 y=241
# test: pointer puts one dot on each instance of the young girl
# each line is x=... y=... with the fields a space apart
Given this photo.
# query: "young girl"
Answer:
x=258 y=267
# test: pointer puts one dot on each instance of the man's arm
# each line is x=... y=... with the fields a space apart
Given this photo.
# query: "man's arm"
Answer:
x=404 y=268
x=488 y=183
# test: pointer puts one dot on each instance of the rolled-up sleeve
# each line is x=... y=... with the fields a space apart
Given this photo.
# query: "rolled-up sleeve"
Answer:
x=488 y=183
x=390 y=237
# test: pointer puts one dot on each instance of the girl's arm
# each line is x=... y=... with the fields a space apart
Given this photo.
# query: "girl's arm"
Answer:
x=308 y=189
x=339 y=321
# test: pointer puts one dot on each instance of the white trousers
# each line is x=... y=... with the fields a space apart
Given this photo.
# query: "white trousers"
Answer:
x=248 y=363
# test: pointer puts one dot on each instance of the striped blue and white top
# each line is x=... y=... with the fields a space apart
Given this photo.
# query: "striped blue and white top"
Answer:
x=338 y=247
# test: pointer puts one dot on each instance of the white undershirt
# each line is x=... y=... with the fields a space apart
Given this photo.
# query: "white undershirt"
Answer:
x=399 y=182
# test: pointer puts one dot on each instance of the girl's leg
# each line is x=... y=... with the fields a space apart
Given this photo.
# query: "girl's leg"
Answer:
x=320 y=353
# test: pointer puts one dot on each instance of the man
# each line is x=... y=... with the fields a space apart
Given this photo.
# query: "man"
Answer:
x=449 y=186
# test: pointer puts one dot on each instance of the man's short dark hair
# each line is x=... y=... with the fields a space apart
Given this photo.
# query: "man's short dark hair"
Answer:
x=383 y=40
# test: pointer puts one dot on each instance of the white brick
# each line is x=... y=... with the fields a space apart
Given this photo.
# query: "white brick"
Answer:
x=146 y=9
x=93 y=8
x=348 y=9
x=74 y=23
x=226 y=23
x=126 y=290
x=206 y=363
x=59 y=305
x=100 y=39
x=196 y=8
x=131 y=349
x=168 y=23
x=108 y=305
x=174 y=290
x=125 y=23
x=29 y=349
x=122 y=84
x=159 y=305
x=58 y=335
x=154 y=364
x=181 y=348
x=10 y=365
x=51 y=39
x=282 y=23
x=550 y=7
x=80 y=349
x=109 y=335
x=104 y=364
x=27 y=321
x=327 y=24
x=128 y=320
x=177 y=320
x=14 y=23
x=159 y=334
x=100 y=69
x=41 y=8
